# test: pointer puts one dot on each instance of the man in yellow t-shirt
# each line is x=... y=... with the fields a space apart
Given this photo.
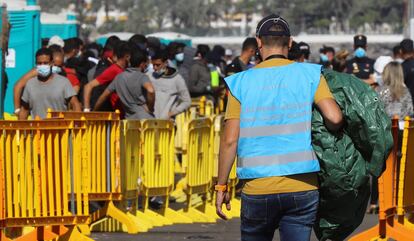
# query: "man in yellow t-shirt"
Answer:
x=270 y=199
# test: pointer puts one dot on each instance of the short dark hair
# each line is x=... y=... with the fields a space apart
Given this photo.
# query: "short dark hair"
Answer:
x=327 y=49
x=397 y=50
x=275 y=41
x=249 y=43
x=407 y=46
x=55 y=48
x=44 y=51
x=203 y=50
x=138 y=57
x=294 y=52
x=79 y=41
x=160 y=54
x=70 y=45
x=112 y=40
x=138 y=39
x=122 y=49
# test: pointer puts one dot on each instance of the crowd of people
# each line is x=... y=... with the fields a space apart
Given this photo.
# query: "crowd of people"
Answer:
x=145 y=79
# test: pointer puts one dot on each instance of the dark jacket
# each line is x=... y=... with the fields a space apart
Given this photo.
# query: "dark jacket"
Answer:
x=199 y=80
x=347 y=159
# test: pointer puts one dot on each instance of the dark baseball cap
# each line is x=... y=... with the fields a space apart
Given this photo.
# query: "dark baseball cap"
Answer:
x=304 y=48
x=407 y=46
x=264 y=26
x=360 y=40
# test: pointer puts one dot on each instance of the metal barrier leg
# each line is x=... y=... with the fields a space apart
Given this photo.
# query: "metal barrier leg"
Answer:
x=39 y=233
x=114 y=212
x=148 y=218
x=84 y=229
x=178 y=194
x=3 y=236
x=158 y=218
x=173 y=215
x=74 y=235
x=369 y=234
x=198 y=214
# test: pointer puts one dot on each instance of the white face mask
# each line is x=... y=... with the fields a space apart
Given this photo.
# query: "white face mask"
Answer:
x=179 y=57
x=56 y=69
x=44 y=70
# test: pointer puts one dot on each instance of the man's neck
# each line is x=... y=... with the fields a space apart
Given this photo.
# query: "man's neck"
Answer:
x=266 y=53
x=121 y=63
x=245 y=58
x=46 y=79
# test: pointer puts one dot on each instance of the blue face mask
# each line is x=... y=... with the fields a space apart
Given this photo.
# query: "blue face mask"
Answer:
x=179 y=57
x=359 y=52
x=56 y=70
x=44 y=70
x=324 y=58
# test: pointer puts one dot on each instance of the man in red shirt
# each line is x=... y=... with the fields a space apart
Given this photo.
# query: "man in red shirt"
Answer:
x=122 y=54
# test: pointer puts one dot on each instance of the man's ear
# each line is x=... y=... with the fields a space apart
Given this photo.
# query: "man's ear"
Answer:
x=290 y=42
x=259 y=43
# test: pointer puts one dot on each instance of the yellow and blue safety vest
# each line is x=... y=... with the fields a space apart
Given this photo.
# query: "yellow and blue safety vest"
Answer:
x=275 y=120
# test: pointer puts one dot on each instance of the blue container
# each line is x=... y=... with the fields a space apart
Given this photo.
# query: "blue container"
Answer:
x=23 y=43
x=64 y=26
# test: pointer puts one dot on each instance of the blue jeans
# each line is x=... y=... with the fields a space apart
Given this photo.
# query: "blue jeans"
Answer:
x=293 y=213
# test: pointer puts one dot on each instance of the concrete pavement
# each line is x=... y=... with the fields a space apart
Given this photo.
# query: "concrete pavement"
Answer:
x=221 y=231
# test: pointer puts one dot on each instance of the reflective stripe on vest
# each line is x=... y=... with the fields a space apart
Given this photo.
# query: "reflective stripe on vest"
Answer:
x=275 y=119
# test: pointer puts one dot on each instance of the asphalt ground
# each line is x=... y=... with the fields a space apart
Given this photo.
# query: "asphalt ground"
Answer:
x=220 y=231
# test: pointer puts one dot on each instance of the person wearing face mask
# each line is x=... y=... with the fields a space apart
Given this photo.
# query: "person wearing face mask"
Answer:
x=47 y=90
x=57 y=68
x=240 y=63
x=134 y=88
x=123 y=55
x=361 y=66
x=171 y=93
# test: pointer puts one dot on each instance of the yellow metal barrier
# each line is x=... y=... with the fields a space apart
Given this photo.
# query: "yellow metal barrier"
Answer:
x=218 y=125
x=198 y=170
x=157 y=176
x=181 y=121
x=405 y=203
x=104 y=165
x=38 y=180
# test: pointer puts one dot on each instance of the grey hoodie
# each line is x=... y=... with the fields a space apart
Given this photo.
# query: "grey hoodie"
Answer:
x=171 y=94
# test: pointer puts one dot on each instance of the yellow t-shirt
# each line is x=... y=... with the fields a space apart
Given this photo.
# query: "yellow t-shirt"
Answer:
x=281 y=184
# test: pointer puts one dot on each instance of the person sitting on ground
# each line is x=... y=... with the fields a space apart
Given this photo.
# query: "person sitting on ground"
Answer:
x=134 y=88
x=123 y=54
x=171 y=93
x=47 y=90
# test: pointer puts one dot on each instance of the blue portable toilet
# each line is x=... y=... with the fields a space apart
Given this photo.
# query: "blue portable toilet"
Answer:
x=24 y=41
x=63 y=25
